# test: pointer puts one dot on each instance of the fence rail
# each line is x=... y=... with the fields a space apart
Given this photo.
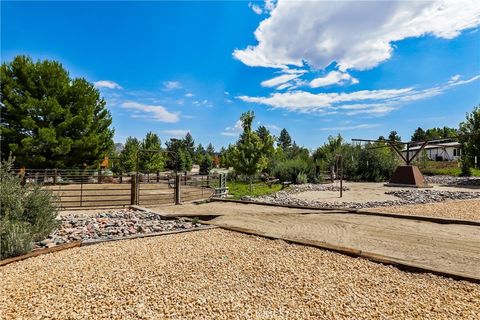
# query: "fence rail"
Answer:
x=76 y=188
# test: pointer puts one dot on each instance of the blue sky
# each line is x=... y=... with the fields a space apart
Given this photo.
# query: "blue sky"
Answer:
x=315 y=68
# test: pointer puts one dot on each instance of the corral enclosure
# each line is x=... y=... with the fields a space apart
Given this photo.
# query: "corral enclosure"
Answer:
x=95 y=188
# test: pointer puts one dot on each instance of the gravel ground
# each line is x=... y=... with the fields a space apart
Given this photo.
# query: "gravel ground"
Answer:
x=454 y=181
x=466 y=209
x=109 y=224
x=399 y=197
x=218 y=274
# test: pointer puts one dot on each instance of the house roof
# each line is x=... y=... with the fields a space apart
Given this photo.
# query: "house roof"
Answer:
x=437 y=146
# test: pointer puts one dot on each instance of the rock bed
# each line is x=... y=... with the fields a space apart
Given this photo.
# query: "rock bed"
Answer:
x=217 y=274
x=405 y=197
x=453 y=181
x=110 y=224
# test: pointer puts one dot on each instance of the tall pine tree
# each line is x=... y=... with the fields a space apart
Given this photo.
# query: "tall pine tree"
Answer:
x=50 y=120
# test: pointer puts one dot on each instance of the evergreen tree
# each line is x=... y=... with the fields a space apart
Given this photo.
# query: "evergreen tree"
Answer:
x=199 y=154
x=393 y=136
x=267 y=140
x=419 y=135
x=248 y=156
x=226 y=157
x=470 y=139
x=128 y=156
x=49 y=119
x=178 y=158
x=151 y=161
x=189 y=144
x=206 y=164
x=284 y=140
x=210 y=149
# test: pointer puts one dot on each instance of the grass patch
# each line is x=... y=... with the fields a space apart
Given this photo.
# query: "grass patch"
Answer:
x=239 y=189
x=435 y=168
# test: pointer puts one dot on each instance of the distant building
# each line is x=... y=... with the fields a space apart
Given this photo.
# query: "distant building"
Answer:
x=438 y=151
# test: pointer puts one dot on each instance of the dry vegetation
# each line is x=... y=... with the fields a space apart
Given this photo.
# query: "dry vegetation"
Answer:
x=223 y=275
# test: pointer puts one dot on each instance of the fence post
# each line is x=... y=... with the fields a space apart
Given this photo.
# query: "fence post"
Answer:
x=121 y=177
x=185 y=177
x=81 y=190
x=54 y=176
x=177 y=188
x=158 y=176
x=133 y=190
x=99 y=176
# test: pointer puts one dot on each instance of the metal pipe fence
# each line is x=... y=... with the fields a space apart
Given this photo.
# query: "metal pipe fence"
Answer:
x=77 y=188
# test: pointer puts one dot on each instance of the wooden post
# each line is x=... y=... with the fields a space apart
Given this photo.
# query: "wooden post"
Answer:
x=54 y=176
x=341 y=176
x=158 y=176
x=185 y=177
x=99 y=176
x=133 y=189
x=121 y=177
x=177 y=189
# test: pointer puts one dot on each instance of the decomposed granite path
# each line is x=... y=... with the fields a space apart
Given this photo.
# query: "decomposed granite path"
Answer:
x=449 y=248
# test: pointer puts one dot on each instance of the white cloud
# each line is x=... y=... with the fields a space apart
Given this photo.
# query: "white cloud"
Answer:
x=107 y=84
x=172 y=85
x=272 y=127
x=204 y=102
x=284 y=86
x=279 y=80
x=372 y=102
x=157 y=113
x=333 y=77
x=255 y=8
x=189 y=95
x=354 y=127
x=455 y=78
x=233 y=131
x=353 y=34
x=456 y=81
x=177 y=133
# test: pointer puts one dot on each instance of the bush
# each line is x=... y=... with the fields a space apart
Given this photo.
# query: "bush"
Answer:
x=28 y=213
x=289 y=170
x=301 y=178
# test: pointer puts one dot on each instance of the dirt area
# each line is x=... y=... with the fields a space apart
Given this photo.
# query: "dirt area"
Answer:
x=218 y=274
x=363 y=192
x=465 y=209
x=444 y=247
x=119 y=195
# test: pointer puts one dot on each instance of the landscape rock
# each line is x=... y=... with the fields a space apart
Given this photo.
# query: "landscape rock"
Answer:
x=108 y=225
x=405 y=197
x=453 y=181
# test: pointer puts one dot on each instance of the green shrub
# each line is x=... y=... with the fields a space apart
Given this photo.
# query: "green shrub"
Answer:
x=301 y=178
x=288 y=170
x=28 y=213
x=16 y=238
x=370 y=165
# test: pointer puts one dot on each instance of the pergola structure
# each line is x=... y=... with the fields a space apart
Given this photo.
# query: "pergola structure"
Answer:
x=406 y=175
